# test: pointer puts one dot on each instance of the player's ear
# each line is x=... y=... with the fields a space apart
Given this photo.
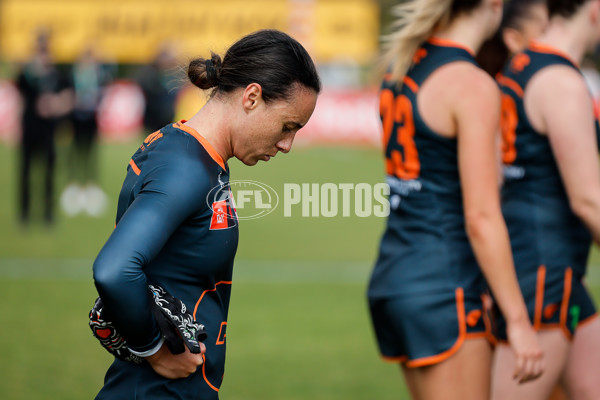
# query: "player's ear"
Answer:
x=513 y=40
x=252 y=96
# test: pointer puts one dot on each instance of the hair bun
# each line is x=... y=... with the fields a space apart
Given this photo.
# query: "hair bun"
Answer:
x=204 y=73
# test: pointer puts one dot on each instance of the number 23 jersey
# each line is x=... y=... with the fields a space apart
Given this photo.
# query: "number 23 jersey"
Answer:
x=424 y=247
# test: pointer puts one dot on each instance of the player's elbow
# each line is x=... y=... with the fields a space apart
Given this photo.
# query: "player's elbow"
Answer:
x=478 y=223
x=106 y=274
x=585 y=207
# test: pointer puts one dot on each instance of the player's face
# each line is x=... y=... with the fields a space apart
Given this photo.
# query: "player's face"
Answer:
x=536 y=23
x=271 y=128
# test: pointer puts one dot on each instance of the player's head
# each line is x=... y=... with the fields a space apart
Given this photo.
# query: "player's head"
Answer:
x=270 y=85
x=565 y=8
x=523 y=21
x=584 y=14
x=419 y=19
x=270 y=58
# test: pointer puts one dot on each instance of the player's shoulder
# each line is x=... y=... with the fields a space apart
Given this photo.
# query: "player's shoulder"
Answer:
x=466 y=80
x=558 y=83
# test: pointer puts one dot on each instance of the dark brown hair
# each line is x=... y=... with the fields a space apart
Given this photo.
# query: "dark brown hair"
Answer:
x=564 y=8
x=268 y=57
x=494 y=54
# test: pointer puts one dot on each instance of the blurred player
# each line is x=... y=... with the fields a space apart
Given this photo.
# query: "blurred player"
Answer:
x=440 y=114
x=176 y=224
x=551 y=201
x=523 y=20
x=46 y=98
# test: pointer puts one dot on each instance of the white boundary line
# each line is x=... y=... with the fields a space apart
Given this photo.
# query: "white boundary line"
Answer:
x=253 y=271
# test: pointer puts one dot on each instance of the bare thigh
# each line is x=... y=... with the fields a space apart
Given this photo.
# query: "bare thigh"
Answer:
x=581 y=377
x=556 y=350
x=464 y=376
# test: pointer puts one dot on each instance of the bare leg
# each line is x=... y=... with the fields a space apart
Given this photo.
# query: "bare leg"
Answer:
x=556 y=349
x=581 y=376
x=463 y=376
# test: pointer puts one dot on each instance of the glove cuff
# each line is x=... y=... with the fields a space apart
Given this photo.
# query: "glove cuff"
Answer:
x=150 y=352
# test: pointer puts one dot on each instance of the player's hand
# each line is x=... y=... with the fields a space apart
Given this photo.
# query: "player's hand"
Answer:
x=175 y=366
x=528 y=353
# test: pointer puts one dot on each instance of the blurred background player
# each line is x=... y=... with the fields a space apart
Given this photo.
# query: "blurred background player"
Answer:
x=445 y=233
x=176 y=222
x=88 y=79
x=159 y=85
x=522 y=21
x=551 y=201
x=46 y=98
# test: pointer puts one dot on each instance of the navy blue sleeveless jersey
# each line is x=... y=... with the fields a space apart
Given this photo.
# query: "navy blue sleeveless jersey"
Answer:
x=543 y=230
x=425 y=247
x=176 y=227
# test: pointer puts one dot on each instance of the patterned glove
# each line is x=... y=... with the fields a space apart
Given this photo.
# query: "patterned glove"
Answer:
x=176 y=324
x=108 y=336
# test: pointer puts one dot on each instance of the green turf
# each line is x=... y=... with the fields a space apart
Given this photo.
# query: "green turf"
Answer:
x=298 y=326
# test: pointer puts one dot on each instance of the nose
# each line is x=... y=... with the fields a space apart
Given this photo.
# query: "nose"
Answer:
x=285 y=145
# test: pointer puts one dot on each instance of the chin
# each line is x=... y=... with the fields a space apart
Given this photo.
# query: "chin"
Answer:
x=250 y=162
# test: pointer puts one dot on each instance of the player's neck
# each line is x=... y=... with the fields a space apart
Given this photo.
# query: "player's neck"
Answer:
x=567 y=37
x=465 y=32
x=211 y=123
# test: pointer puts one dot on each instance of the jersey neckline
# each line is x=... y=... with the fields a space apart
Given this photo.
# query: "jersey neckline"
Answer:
x=207 y=146
x=449 y=43
x=547 y=49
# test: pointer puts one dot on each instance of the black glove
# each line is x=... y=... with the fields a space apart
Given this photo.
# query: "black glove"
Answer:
x=176 y=324
x=108 y=336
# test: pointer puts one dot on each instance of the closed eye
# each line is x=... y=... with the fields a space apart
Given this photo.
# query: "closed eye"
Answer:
x=291 y=127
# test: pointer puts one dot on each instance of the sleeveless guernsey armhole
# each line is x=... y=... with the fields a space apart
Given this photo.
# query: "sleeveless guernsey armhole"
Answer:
x=203 y=142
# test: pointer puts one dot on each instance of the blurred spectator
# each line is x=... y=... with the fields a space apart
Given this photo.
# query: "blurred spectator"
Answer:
x=46 y=98
x=159 y=85
x=88 y=78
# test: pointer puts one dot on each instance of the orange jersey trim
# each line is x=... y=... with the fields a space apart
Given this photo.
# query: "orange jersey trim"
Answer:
x=539 y=297
x=135 y=168
x=462 y=335
x=564 y=307
x=209 y=290
x=216 y=389
x=412 y=85
x=511 y=84
x=544 y=48
x=449 y=43
x=213 y=387
x=207 y=146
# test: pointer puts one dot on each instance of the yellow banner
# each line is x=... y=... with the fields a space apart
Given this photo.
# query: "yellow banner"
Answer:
x=132 y=31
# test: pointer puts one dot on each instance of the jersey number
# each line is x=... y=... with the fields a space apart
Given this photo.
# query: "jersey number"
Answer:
x=508 y=125
x=397 y=111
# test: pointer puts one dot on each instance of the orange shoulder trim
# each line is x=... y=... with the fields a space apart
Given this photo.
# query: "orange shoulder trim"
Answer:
x=546 y=49
x=207 y=146
x=134 y=167
x=449 y=43
x=511 y=84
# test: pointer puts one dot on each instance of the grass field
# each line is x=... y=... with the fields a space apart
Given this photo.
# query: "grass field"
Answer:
x=298 y=325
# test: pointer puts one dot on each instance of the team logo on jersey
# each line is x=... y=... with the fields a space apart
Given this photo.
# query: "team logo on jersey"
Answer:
x=519 y=62
x=224 y=214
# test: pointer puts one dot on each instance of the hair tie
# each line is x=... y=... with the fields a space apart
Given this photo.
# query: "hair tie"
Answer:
x=211 y=71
